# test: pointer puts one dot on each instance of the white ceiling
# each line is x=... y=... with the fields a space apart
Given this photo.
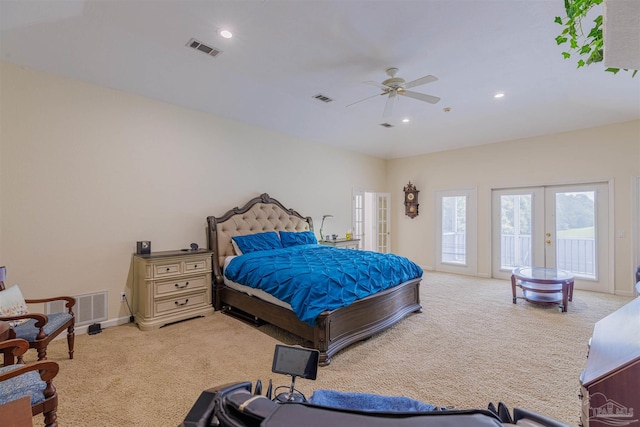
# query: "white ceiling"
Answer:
x=286 y=51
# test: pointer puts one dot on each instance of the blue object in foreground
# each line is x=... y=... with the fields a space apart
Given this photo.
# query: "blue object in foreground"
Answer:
x=368 y=402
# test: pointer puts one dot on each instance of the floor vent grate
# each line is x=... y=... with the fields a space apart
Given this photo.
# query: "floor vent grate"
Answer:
x=89 y=308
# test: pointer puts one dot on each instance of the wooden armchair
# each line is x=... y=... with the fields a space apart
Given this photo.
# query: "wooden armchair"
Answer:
x=33 y=380
x=40 y=329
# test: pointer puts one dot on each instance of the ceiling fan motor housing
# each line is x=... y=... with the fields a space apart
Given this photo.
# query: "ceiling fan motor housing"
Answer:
x=394 y=82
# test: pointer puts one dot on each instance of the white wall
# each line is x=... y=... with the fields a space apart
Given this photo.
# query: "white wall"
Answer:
x=608 y=153
x=87 y=171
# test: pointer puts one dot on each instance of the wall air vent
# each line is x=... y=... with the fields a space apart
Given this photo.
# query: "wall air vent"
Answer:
x=211 y=51
x=386 y=125
x=89 y=308
x=322 y=98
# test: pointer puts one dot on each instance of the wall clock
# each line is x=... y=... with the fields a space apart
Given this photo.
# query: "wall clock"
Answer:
x=411 y=200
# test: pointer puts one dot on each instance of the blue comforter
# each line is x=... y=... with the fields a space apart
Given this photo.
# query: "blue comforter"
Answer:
x=315 y=278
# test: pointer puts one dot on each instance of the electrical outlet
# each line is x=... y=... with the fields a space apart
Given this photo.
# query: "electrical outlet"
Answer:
x=123 y=296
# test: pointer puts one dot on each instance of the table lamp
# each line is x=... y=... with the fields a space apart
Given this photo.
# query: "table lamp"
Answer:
x=322 y=225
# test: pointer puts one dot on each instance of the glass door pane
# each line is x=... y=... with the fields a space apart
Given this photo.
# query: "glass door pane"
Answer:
x=456 y=231
x=383 y=222
x=358 y=216
x=454 y=236
x=517 y=228
x=575 y=233
x=515 y=231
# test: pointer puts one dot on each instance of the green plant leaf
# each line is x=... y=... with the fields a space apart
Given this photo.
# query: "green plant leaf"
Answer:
x=580 y=63
x=566 y=55
x=558 y=20
x=585 y=49
x=613 y=70
x=560 y=40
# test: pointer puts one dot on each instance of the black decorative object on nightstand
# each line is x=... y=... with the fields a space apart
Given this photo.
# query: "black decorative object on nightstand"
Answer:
x=411 y=200
x=143 y=247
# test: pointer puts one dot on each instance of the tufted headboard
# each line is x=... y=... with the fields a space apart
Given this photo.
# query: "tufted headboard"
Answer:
x=259 y=214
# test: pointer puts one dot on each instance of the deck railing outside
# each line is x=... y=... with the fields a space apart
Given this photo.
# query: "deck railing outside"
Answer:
x=577 y=255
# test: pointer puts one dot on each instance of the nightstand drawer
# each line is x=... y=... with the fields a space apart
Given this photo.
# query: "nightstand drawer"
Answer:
x=180 y=304
x=160 y=270
x=195 y=266
x=179 y=285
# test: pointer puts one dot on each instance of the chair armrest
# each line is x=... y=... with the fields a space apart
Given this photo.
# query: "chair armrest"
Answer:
x=71 y=301
x=41 y=319
x=15 y=348
x=15 y=343
x=48 y=369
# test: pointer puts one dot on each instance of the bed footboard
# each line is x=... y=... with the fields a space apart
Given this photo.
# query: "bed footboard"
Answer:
x=336 y=329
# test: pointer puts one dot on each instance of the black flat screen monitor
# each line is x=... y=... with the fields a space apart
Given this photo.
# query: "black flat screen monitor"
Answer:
x=296 y=361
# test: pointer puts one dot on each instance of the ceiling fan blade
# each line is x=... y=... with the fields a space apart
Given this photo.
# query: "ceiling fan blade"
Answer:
x=365 y=99
x=421 y=96
x=388 y=107
x=378 y=85
x=421 y=81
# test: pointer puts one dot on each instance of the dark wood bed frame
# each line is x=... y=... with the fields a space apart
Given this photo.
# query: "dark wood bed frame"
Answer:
x=334 y=330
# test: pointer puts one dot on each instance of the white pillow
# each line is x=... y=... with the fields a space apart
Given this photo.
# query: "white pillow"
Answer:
x=236 y=249
x=12 y=304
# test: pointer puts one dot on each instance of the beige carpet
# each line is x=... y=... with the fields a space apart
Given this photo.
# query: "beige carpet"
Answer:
x=468 y=347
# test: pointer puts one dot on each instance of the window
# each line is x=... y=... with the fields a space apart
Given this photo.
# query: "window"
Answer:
x=456 y=231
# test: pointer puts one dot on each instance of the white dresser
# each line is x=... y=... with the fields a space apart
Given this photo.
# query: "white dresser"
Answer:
x=170 y=286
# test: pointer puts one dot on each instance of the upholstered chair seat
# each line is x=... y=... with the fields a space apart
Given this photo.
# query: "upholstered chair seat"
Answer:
x=28 y=384
x=29 y=332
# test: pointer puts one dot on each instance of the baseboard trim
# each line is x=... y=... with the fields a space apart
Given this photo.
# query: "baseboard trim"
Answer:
x=80 y=330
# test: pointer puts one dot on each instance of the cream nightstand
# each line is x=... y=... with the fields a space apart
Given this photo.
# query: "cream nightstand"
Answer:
x=170 y=286
x=342 y=243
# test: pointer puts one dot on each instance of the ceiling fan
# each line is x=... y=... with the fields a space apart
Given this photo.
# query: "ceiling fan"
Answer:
x=394 y=86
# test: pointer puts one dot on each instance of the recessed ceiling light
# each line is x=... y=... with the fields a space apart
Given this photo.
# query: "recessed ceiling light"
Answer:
x=499 y=95
x=405 y=120
x=226 y=34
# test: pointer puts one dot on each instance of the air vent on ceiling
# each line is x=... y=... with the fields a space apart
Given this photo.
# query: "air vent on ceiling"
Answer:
x=212 y=51
x=322 y=98
x=386 y=125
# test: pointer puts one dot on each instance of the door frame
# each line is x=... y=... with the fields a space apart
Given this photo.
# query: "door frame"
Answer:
x=608 y=278
x=470 y=267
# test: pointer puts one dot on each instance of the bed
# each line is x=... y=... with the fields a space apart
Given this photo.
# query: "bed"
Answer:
x=333 y=329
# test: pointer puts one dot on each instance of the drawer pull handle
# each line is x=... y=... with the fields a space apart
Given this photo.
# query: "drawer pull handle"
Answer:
x=184 y=303
x=195 y=266
x=168 y=269
x=183 y=286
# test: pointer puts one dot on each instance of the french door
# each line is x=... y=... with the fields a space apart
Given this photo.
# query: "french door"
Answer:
x=564 y=227
x=371 y=220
